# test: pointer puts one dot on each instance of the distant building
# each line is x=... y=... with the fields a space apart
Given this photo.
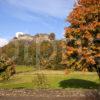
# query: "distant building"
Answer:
x=40 y=37
x=25 y=37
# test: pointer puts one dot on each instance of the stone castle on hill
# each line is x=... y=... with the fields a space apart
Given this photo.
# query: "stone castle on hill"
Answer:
x=36 y=38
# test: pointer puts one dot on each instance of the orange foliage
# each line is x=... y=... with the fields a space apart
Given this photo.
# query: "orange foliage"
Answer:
x=84 y=29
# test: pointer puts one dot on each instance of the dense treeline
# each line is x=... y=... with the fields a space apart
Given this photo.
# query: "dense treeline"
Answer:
x=45 y=55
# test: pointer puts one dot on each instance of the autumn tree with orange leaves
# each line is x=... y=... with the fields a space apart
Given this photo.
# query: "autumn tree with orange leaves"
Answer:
x=82 y=50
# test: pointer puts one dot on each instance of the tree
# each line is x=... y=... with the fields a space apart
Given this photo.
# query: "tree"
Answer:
x=46 y=50
x=83 y=30
x=50 y=56
x=7 y=67
x=52 y=36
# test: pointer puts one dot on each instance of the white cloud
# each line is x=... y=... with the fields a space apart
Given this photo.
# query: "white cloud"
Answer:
x=19 y=33
x=3 y=42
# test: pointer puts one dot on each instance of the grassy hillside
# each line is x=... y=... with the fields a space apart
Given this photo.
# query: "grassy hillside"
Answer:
x=25 y=78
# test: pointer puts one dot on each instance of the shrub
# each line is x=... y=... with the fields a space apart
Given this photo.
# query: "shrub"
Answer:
x=40 y=81
x=7 y=67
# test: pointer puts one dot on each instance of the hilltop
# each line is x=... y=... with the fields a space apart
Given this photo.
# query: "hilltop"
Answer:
x=40 y=37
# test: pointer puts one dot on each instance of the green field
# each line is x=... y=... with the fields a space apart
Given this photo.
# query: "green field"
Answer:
x=25 y=78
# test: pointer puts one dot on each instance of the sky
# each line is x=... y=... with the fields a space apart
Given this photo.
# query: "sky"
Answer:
x=33 y=16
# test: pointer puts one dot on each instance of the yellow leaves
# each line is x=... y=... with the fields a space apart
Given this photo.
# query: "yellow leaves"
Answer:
x=91 y=60
x=79 y=51
x=97 y=55
x=90 y=26
x=88 y=35
x=98 y=36
x=69 y=53
x=89 y=2
x=82 y=27
x=78 y=31
x=70 y=50
x=84 y=48
x=78 y=42
x=88 y=56
x=71 y=37
x=93 y=25
x=69 y=30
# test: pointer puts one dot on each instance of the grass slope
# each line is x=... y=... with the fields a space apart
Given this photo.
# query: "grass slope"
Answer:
x=24 y=78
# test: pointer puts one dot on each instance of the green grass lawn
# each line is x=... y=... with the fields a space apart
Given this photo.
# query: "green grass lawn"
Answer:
x=25 y=78
x=22 y=68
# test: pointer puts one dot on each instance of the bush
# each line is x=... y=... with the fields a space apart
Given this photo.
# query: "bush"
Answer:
x=7 y=67
x=40 y=81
